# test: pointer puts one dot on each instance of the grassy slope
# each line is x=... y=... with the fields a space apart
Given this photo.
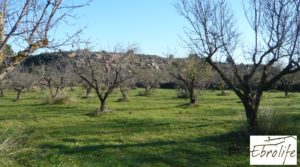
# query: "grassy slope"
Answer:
x=147 y=131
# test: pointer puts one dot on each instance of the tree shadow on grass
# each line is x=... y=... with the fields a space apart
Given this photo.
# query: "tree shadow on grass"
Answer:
x=13 y=105
x=282 y=96
x=187 y=105
x=150 y=108
x=91 y=113
x=64 y=149
x=173 y=153
x=211 y=150
x=234 y=142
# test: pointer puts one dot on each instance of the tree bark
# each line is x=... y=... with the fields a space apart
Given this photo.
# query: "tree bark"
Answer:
x=251 y=105
x=286 y=91
x=18 y=94
x=1 y=92
x=147 y=91
x=222 y=89
x=102 y=106
x=251 y=114
x=193 y=99
x=88 y=91
x=124 y=96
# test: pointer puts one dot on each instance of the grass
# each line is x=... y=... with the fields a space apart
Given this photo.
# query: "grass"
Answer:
x=146 y=131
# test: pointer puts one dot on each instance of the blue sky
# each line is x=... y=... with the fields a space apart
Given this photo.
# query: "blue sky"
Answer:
x=154 y=25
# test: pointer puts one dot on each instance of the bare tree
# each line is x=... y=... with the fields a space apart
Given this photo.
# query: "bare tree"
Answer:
x=19 y=82
x=55 y=86
x=288 y=80
x=149 y=80
x=192 y=73
x=127 y=76
x=213 y=35
x=103 y=72
x=125 y=87
x=55 y=76
x=124 y=92
x=87 y=88
x=32 y=25
x=54 y=71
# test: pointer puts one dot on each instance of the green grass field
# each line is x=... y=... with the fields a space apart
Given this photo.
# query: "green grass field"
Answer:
x=146 y=131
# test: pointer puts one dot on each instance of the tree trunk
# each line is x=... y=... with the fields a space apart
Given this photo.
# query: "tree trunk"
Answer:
x=193 y=99
x=87 y=92
x=286 y=91
x=102 y=106
x=222 y=89
x=251 y=114
x=124 y=96
x=18 y=94
x=2 y=55
x=147 y=91
x=251 y=105
x=1 y=92
x=124 y=93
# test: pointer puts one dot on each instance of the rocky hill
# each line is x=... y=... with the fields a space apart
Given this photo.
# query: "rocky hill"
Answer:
x=59 y=59
x=142 y=60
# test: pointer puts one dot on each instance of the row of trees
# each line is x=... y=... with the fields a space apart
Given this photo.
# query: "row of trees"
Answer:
x=104 y=72
x=101 y=72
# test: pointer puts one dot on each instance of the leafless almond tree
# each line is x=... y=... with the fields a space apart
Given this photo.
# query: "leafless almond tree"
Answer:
x=54 y=71
x=149 y=79
x=287 y=81
x=125 y=87
x=192 y=73
x=55 y=76
x=19 y=82
x=275 y=28
x=31 y=24
x=104 y=72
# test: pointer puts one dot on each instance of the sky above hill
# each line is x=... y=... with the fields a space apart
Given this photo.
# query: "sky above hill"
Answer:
x=153 y=25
